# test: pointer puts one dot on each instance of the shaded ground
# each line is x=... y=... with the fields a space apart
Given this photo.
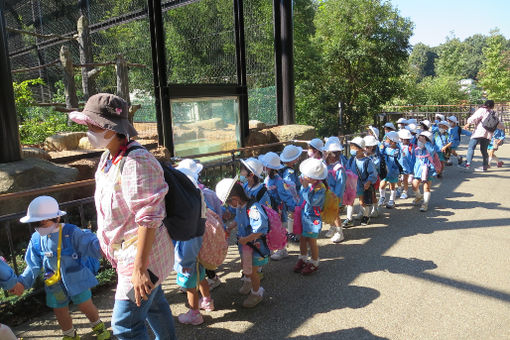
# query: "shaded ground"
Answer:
x=409 y=275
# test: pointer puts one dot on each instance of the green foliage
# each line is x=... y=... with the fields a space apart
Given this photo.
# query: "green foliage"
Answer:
x=23 y=96
x=495 y=71
x=422 y=60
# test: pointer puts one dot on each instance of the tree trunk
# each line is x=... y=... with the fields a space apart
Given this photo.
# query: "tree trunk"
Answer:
x=122 y=80
x=86 y=57
x=69 y=85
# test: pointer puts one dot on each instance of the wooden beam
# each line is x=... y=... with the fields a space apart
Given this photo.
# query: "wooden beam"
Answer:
x=35 y=68
x=37 y=35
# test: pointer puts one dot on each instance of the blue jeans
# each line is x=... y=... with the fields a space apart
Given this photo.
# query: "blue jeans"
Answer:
x=128 y=320
x=484 y=143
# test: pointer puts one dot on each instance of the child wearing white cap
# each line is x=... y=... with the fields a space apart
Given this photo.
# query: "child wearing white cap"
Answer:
x=373 y=152
x=391 y=153
x=424 y=169
x=289 y=157
x=313 y=191
x=401 y=123
x=497 y=140
x=454 y=134
x=406 y=161
x=441 y=141
x=315 y=147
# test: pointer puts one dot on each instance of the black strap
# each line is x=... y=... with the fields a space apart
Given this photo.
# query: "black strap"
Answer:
x=252 y=246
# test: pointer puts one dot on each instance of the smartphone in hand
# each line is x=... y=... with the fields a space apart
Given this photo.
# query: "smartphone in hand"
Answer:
x=131 y=293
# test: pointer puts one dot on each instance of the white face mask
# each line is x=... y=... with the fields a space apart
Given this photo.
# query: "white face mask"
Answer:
x=98 y=140
x=421 y=145
x=442 y=131
x=47 y=230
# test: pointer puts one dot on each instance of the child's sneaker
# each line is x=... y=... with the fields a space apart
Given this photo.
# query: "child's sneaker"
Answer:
x=404 y=195
x=299 y=266
x=459 y=161
x=338 y=236
x=214 y=282
x=280 y=254
x=374 y=212
x=252 y=300
x=398 y=191
x=418 y=199
x=424 y=207
x=309 y=269
x=347 y=223
x=246 y=287
x=208 y=306
x=481 y=169
x=191 y=318
x=390 y=204
x=365 y=220
x=331 y=232
x=359 y=215
x=75 y=337
x=381 y=201
x=101 y=332
x=500 y=164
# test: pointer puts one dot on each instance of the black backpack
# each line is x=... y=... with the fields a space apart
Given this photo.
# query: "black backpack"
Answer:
x=184 y=202
x=491 y=122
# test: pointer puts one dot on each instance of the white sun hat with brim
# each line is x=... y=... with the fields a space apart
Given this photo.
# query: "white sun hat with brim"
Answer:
x=290 y=153
x=390 y=125
x=412 y=127
x=333 y=145
x=42 y=208
x=427 y=134
x=440 y=116
x=374 y=130
x=444 y=123
x=412 y=121
x=332 y=139
x=425 y=123
x=254 y=165
x=316 y=143
x=313 y=168
x=358 y=141
x=224 y=187
x=194 y=167
x=405 y=134
x=453 y=119
x=272 y=161
x=370 y=141
x=393 y=136
x=402 y=121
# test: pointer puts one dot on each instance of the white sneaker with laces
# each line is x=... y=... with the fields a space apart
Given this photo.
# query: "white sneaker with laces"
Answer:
x=338 y=237
x=331 y=231
x=280 y=254
x=381 y=201
x=403 y=196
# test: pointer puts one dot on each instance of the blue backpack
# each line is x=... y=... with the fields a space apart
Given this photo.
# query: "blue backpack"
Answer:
x=89 y=262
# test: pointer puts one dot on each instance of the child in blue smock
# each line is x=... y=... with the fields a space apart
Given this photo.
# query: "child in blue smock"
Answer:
x=424 y=169
x=367 y=176
x=252 y=227
x=289 y=157
x=373 y=152
x=391 y=154
x=7 y=281
x=454 y=134
x=441 y=141
x=336 y=180
x=313 y=191
x=251 y=176
x=497 y=140
x=65 y=280
x=406 y=161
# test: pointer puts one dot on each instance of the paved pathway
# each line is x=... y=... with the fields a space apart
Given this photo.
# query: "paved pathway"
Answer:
x=443 y=274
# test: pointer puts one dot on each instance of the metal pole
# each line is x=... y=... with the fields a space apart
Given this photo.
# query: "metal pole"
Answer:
x=163 y=113
x=278 y=59
x=287 y=45
x=10 y=148
x=241 y=70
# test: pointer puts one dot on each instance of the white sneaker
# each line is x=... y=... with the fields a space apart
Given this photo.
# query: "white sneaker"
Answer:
x=280 y=254
x=338 y=237
x=404 y=196
x=375 y=212
x=424 y=207
x=331 y=231
x=381 y=201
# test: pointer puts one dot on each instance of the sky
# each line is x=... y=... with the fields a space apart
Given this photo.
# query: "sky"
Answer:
x=434 y=20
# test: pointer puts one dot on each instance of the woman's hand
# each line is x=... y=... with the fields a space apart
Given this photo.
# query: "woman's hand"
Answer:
x=142 y=285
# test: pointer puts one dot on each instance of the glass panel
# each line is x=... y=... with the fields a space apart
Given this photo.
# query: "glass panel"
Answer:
x=204 y=125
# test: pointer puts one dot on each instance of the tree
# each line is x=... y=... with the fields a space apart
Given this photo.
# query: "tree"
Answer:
x=451 y=62
x=422 y=59
x=363 y=47
x=495 y=71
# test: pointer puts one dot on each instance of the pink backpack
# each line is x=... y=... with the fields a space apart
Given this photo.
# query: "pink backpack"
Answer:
x=214 y=244
x=351 y=188
x=436 y=162
x=297 y=227
x=276 y=238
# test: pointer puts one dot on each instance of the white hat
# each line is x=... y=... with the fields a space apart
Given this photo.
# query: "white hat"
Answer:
x=316 y=143
x=358 y=141
x=190 y=174
x=412 y=121
x=443 y=122
x=389 y=125
x=453 y=119
x=440 y=116
x=427 y=134
x=290 y=153
x=314 y=169
x=224 y=187
x=375 y=131
x=393 y=136
x=254 y=165
x=272 y=161
x=332 y=139
x=412 y=127
x=42 y=208
x=405 y=134
x=370 y=141
x=425 y=123
x=194 y=167
x=333 y=145
x=402 y=121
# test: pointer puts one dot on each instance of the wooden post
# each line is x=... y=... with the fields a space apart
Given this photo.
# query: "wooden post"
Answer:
x=121 y=69
x=86 y=57
x=69 y=85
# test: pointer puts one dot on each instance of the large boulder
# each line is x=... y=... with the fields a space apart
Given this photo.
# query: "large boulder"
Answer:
x=84 y=144
x=29 y=152
x=63 y=141
x=285 y=133
x=257 y=124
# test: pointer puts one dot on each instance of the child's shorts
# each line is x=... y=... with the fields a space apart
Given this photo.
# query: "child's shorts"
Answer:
x=190 y=281
x=257 y=260
x=57 y=297
x=391 y=179
x=441 y=156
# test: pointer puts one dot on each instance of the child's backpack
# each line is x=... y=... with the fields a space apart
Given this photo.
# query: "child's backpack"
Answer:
x=184 y=202
x=88 y=262
x=351 y=187
x=435 y=161
x=214 y=244
x=491 y=122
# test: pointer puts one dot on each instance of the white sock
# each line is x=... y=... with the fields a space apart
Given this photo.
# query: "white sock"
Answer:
x=259 y=292
x=303 y=257
x=290 y=225
x=392 y=195
x=314 y=262
x=69 y=333
x=382 y=193
x=426 y=197
x=366 y=210
x=350 y=208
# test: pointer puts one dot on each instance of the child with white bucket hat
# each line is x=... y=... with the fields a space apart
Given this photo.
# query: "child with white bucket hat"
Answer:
x=290 y=157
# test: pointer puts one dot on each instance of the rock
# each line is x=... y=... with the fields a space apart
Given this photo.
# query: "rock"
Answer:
x=63 y=141
x=86 y=168
x=285 y=133
x=161 y=153
x=261 y=137
x=257 y=124
x=28 y=152
x=181 y=135
x=209 y=124
x=29 y=174
x=84 y=144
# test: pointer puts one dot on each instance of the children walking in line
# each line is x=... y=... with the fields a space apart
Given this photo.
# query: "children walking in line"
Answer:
x=406 y=161
x=313 y=191
x=391 y=153
x=424 y=169
x=441 y=141
x=252 y=226
x=497 y=140
x=289 y=157
x=336 y=180
x=367 y=176
x=56 y=249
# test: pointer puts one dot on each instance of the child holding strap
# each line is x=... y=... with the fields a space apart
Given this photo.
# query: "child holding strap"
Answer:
x=406 y=160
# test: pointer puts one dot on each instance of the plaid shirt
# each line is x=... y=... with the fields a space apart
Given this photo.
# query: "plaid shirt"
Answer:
x=123 y=203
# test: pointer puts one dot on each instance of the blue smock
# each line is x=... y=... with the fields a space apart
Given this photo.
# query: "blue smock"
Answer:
x=314 y=196
x=7 y=277
x=423 y=161
x=356 y=165
x=186 y=253
x=337 y=179
x=407 y=158
x=253 y=220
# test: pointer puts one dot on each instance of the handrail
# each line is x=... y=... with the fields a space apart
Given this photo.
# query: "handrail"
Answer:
x=44 y=190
